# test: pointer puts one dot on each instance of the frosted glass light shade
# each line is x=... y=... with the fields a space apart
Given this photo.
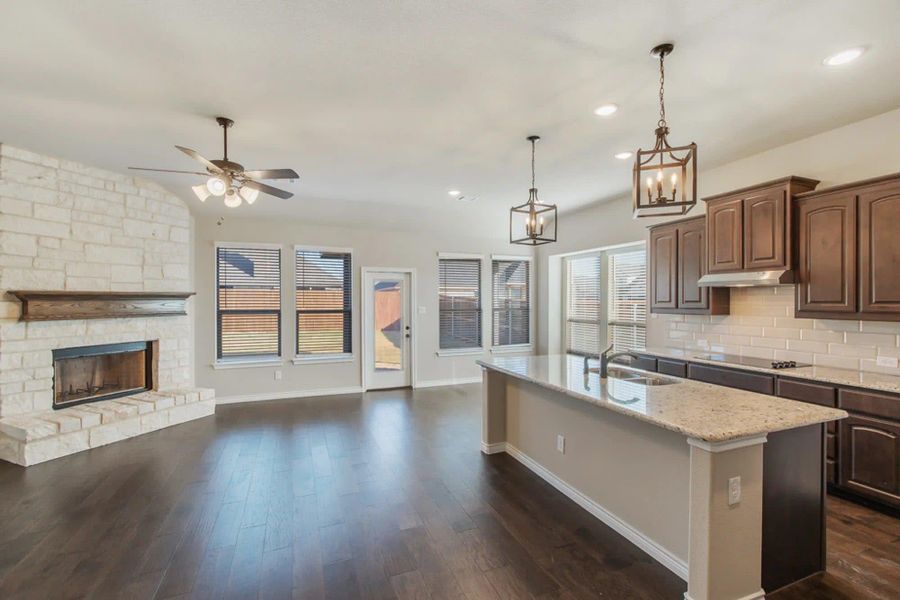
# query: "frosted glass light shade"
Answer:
x=249 y=194
x=232 y=200
x=201 y=192
x=216 y=186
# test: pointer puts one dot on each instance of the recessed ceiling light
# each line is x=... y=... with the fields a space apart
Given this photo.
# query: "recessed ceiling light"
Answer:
x=843 y=57
x=605 y=110
x=624 y=155
x=454 y=193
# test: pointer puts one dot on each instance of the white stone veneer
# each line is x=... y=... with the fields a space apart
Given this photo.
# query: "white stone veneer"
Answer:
x=66 y=226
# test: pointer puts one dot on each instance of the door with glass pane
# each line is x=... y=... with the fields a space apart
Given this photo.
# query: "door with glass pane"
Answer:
x=388 y=330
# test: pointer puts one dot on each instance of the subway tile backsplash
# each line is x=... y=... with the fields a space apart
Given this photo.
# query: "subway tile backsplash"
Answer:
x=761 y=324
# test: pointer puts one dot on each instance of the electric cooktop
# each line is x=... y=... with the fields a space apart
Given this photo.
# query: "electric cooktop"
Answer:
x=750 y=361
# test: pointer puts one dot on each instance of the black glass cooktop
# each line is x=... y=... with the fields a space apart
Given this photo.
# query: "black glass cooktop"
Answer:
x=750 y=361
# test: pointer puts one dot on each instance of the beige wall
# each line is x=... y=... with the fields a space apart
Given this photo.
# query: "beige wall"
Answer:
x=371 y=248
x=857 y=151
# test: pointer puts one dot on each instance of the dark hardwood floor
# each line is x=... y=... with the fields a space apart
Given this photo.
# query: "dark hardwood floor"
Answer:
x=383 y=495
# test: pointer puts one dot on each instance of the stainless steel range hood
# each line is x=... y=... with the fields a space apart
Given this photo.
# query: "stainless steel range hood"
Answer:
x=747 y=278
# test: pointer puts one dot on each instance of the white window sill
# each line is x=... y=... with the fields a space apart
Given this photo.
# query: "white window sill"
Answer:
x=512 y=349
x=322 y=358
x=460 y=352
x=247 y=363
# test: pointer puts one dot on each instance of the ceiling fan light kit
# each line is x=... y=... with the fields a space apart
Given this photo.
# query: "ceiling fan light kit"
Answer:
x=229 y=180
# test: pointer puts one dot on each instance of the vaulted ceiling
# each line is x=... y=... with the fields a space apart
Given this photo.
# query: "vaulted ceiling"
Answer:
x=384 y=107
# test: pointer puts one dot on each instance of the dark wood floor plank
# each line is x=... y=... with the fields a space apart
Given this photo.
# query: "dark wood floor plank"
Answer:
x=381 y=495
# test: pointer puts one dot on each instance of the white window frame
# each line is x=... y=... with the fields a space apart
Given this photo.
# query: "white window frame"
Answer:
x=337 y=357
x=245 y=362
x=483 y=301
x=514 y=348
x=608 y=291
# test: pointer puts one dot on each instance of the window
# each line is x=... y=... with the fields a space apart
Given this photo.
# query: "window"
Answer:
x=627 y=315
x=459 y=300
x=248 y=302
x=323 y=286
x=511 y=307
x=583 y=302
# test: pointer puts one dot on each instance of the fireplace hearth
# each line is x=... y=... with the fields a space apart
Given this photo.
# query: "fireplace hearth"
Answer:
x=94 y=373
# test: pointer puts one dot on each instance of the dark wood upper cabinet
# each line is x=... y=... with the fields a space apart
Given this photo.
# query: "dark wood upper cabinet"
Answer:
x=750 y=229
x=765 y=242
x=879 y=249
x=677 y=262
x=849 y=251
x=826 y=248
x=724 y=228
x=663 y=266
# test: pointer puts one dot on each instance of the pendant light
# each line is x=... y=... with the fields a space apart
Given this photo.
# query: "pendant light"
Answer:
x=665 y=178
x=532 y=223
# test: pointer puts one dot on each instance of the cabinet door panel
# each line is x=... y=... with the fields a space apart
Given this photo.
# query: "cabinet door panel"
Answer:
x=870 y=458
x=764 y=231
x=692 y=265
x=724 y=227
x=663 y=268
x=827 y=254
x=879 y=246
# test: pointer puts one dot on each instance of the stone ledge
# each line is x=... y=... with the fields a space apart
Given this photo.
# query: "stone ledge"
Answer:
x=37 y=437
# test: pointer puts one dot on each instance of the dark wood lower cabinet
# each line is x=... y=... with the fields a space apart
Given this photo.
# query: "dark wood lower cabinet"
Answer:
x=870 y=458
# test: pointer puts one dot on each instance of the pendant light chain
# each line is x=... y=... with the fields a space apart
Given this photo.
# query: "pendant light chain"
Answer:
x=662 y=87
x=532 y=163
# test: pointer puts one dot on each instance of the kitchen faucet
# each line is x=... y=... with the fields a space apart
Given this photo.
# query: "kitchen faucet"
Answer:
x=606 y=358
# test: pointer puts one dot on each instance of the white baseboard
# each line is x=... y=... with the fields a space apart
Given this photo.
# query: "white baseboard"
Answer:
x=666 y=558
x=444 y=382
x=759 y=595
x=493 y=448
x=262 y=397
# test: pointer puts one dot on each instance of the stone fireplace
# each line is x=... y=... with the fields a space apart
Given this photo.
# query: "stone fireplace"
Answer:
x=106 y=353
x=102 y=372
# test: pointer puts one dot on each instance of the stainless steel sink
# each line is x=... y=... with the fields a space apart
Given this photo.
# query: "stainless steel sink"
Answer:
x=640 y=378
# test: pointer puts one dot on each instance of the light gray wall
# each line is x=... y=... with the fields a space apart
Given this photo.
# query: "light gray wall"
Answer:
x=864 y=149
x=371 y=248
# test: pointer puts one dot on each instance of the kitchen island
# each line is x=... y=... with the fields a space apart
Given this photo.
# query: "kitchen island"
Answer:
x=688 y=471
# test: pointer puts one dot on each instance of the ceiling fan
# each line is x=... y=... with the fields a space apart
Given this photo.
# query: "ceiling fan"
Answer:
x=229 y=179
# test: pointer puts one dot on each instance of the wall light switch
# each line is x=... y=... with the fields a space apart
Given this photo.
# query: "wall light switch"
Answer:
x=734 y=491
x=886 y=361
x=561 y=443
x=277 y=374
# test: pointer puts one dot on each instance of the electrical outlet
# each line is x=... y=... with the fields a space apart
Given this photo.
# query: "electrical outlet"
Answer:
x=277 y=374
x=886 y=361
x=734 y=491
x=561 y=443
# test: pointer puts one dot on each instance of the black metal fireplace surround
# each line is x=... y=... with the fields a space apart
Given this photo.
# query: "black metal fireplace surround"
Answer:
x=94 y=373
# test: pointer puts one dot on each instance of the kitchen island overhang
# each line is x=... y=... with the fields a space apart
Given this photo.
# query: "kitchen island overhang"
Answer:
x=657 y=464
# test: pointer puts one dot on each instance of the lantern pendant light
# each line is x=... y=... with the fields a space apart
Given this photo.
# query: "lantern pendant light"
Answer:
x=532 y=223
x=665 y=178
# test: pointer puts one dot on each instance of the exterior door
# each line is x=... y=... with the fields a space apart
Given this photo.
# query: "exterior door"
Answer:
x=388 y=330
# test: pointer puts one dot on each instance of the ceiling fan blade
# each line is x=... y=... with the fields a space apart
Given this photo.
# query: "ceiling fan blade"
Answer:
x=168 y=171
x=268 y=189
x=273 y=174
x=193 y=154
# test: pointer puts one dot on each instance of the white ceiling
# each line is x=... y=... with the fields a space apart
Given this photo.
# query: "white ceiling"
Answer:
x=383 y=107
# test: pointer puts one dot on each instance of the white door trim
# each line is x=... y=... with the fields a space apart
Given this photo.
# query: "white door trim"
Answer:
x=414 y=314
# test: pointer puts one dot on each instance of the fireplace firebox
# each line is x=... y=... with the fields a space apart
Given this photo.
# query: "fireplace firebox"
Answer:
x=93 y=373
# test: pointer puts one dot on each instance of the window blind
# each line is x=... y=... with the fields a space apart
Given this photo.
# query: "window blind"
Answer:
x=459 y=303
x=511 y=306
x=323 y=297
x=583 y=304
x=627 y=315
x=248 y=302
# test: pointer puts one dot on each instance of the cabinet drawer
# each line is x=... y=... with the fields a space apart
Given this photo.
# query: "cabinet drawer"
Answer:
x=806 y=392
x=678 y=368
x=831 y=426
x=878 y=405
x=753 y=382
x=647 y=363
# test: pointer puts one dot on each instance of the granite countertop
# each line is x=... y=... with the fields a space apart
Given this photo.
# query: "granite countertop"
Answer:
x=862 y=379
x=700 y=410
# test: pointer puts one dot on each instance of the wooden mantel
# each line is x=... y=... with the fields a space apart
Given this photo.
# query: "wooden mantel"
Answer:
x=50 y=305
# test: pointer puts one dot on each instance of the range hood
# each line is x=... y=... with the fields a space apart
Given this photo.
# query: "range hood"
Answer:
x=747 y=278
